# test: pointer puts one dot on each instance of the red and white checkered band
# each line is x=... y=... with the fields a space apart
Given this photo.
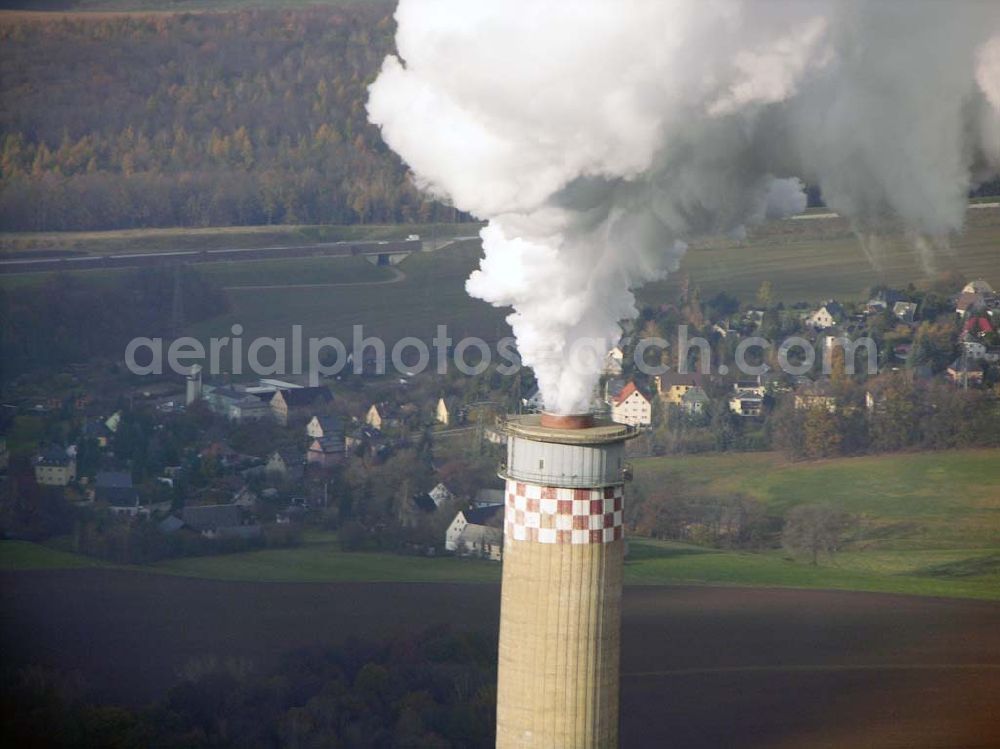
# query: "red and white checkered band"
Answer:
x=555 y=515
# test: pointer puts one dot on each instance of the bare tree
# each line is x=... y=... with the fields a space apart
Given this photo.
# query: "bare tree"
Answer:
x=815 y=529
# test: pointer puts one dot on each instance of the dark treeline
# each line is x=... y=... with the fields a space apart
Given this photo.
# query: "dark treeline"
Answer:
x=64 y=320
x=241 y=118
x=433 y=690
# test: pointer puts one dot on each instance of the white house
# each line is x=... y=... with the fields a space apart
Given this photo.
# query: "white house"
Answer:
x=324 y=426
x=382 y=416
x=746 y=404
x=825 y=317
x=55 y=467
x=476 y=533
x=631 y=407
x=446 y=411
x=441 y=494
x=904 y=311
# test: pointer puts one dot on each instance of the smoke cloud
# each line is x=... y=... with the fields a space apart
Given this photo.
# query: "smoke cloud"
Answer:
x=597 y=137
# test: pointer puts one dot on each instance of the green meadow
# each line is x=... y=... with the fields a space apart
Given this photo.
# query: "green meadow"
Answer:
x=929 y=500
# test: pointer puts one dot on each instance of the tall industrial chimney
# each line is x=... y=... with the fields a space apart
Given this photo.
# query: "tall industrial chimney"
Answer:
x=560 y=610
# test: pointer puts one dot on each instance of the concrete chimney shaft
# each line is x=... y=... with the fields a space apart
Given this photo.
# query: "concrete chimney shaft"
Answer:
x=560 y=615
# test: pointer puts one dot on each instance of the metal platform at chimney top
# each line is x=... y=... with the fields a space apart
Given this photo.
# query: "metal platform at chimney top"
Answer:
x=603 y=431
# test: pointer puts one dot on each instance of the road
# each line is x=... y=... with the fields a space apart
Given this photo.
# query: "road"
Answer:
x=140 y=259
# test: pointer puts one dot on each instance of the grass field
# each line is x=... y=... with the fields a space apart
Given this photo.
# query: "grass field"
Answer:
x=315 y=270
x=821 y=259
x=432 y=293
x=937 y=500
x=649 y=563
x=24 y=555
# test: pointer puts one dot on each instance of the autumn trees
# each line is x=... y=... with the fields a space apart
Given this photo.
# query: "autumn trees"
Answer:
x=240 y=118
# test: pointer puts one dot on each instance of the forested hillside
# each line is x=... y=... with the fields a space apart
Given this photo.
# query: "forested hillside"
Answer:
x=246 y=117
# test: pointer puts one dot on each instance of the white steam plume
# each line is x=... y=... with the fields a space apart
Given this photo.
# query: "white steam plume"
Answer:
x=596 y=137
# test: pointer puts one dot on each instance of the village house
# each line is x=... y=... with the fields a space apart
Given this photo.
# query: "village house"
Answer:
x=826 y=316
x=447 y=411
x=441 y=494
x=283 y=463
x=695 y=401
x=382 y=416
x=748 y=397
x=476 y=533
x=245 y=497
x=905 y=312
x=816 y=394
x=320 y=427
x=115 y=489
x=754 y=317
x=219 y=521
x=286 y=404
x=325 y=451
x=672 y=386
x=55 y=466
x=236 y=405
x=883 y=300
x=631 y=407
x=746 y=404
x=874 y=400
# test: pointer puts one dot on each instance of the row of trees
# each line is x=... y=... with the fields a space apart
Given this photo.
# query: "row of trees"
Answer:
x=248 y=117
x=681 y=512
x=890 y=414
x=436 y=689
